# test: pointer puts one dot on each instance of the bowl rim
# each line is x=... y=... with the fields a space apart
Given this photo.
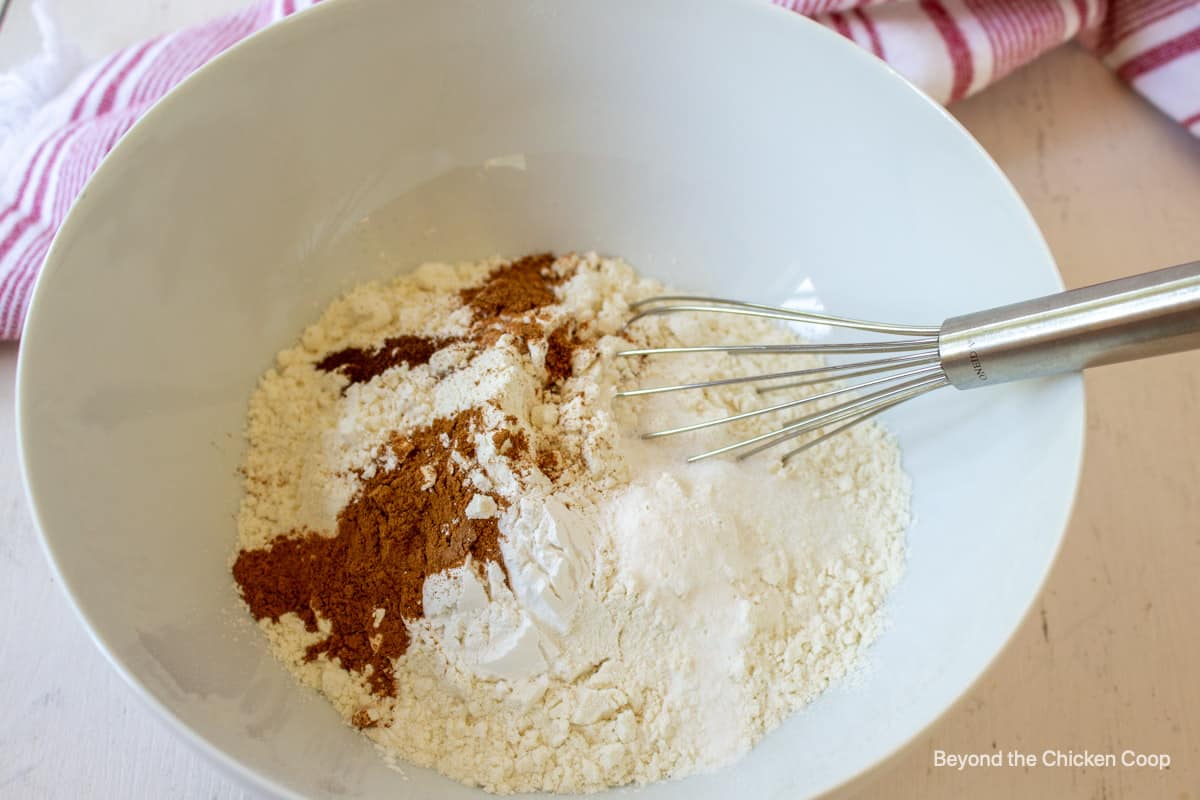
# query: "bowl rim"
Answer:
x=228 y=763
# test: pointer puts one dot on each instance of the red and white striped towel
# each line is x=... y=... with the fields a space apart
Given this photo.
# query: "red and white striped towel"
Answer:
x=950 y=48
x=954 y=48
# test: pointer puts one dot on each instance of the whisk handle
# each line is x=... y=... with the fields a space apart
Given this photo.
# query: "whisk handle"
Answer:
x=1122 y=320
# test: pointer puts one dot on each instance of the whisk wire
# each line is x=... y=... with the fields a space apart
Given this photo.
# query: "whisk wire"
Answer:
x=829 y=434
x=811 y=376
x=872 y=411
x=847 y=348
x=930 y=371
x=860 y=368
x=720 y=305
x=870 y=402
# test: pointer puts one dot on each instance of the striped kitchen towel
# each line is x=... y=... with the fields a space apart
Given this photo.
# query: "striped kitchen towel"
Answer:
x=57 y=122
x=954 y=48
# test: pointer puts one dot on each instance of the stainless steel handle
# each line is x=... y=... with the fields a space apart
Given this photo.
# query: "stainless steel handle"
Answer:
x=1122 y=320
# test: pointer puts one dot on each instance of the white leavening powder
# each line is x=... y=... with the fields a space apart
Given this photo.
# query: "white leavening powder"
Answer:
x=657 y=618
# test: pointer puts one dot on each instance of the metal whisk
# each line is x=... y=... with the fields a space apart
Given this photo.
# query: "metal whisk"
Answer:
x=1121 y=320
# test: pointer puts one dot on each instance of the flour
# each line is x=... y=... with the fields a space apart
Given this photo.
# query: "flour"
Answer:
x=651 y=619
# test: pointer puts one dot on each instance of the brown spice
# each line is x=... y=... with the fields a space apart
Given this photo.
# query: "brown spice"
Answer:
x=560 y=351
x=362 y=719
x=502 y=304
x=511 y=443
x=515 y=288
x=361 y=365
x=549 y=462
x=390 y=537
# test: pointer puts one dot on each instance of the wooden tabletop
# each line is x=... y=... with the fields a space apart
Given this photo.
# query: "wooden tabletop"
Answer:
x=1109 y=657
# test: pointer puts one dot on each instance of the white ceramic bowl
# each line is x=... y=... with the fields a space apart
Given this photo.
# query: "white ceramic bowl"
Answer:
x=733 y=148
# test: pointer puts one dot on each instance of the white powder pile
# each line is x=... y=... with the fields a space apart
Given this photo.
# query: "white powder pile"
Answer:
x=651 y=618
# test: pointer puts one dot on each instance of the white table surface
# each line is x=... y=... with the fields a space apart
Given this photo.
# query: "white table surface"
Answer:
x=1117 y=190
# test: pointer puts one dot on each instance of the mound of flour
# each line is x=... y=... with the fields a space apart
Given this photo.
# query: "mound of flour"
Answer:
x=649 y=618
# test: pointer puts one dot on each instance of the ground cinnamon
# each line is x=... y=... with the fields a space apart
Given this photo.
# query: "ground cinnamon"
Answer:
x=515 y=288
x=550 y=463
x=500 y=303
x=560 y=353
x=361 y=365
x=390 y=537
x=511 y=443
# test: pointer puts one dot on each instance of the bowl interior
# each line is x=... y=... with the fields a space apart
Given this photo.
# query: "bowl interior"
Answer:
x=736 y=151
